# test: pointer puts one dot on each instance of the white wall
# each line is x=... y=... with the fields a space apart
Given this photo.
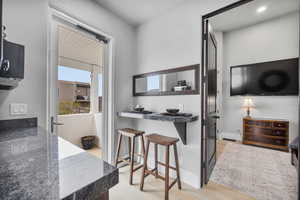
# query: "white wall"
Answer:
x=76 y=126
x=168 y=41
x=92 y=14
x=80 y=125
x=271 y=40
x=26 y=23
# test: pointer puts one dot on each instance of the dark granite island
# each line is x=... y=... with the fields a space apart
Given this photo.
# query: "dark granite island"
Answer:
x=83 y=176
x=32 y=169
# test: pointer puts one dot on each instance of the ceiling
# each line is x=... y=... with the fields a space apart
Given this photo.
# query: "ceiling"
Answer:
x=136 y=12
x=247 y=14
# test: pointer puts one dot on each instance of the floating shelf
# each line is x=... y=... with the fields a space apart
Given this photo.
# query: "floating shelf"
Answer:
x=180 y=122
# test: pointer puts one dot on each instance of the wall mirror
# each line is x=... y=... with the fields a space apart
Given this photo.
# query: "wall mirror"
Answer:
x=177 y=81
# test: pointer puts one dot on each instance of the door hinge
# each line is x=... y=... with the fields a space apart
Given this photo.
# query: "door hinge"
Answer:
x=204 y=79
x=205 y=36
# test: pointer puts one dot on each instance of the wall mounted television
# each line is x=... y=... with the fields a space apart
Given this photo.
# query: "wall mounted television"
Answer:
x=275 y=78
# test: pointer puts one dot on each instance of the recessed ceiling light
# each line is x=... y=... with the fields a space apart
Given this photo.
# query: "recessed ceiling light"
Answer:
x=261 y=9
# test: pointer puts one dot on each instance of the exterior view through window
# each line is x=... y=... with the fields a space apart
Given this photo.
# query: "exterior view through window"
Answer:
x=74 y=90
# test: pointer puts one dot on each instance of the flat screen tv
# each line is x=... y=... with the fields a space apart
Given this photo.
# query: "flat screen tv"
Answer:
x=275 y=78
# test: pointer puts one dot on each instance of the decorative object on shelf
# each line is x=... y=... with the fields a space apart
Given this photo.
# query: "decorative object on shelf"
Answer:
x=181 y=86
x=138 y=108
x=172 y=111
x=88 y=142
x=248 y=104
x=268 y=133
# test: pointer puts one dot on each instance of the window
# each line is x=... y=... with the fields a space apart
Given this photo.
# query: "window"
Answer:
x=74 y=90
x=153 y=83
x=79 y=72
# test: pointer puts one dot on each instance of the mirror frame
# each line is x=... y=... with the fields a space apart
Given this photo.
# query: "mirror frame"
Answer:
x=196 y=91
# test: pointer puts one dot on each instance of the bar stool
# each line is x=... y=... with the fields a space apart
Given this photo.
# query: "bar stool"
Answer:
x=132 y=135
x=167 y=142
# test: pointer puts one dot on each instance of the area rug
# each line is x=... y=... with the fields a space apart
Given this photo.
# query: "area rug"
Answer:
x=261 y=173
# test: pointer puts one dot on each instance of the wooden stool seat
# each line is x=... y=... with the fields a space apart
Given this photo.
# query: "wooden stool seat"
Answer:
x=131 y=134
x=157 y=139
x=162 y=140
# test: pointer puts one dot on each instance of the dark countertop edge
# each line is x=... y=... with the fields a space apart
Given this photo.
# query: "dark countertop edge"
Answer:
x=110 y=176
x=12 y=124
x=160 y=117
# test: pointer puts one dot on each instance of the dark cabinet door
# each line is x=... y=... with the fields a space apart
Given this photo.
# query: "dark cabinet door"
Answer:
x=211 y=104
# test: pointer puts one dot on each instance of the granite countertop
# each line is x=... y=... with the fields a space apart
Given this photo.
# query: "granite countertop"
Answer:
x=32 y=170
x=83 y=175
x=29 y=164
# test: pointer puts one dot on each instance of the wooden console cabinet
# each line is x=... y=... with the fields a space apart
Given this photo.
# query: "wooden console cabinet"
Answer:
x=269 y=133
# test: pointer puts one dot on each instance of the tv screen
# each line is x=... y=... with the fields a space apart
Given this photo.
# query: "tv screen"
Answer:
x=276 y=78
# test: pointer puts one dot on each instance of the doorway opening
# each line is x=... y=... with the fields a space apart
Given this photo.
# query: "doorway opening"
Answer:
x=80 y=87
x=250 y=96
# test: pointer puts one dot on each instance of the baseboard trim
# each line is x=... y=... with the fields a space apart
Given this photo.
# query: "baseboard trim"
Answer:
x=186 y=176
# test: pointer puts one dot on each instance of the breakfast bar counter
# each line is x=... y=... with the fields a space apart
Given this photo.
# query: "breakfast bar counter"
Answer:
x=180 y=120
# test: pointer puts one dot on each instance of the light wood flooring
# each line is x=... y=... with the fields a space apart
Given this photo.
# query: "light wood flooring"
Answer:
x=154 y=190
x=221 y=146
x=96 y=151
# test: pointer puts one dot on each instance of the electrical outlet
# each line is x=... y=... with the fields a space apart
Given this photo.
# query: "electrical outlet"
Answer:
x=181 y=107
x=18 y=109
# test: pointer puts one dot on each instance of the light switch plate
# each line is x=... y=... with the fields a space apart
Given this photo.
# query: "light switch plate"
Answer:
x=18 y=109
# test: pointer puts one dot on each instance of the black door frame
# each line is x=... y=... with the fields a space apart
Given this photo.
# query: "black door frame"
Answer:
x=204 y=81
x=210 y=36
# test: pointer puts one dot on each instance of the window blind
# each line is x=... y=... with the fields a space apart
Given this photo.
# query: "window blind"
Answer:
x=78 y=50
